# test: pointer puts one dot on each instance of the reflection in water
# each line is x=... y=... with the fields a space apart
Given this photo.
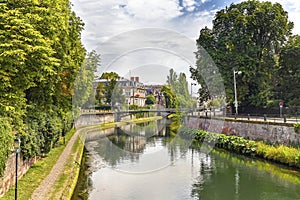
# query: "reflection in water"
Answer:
x=135 y=166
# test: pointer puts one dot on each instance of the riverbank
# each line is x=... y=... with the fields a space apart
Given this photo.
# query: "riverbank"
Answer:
x=66 y=174
x=37 y=173
x=276 y=153
x=177 y=171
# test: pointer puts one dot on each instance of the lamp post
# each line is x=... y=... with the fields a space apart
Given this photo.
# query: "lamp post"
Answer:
x=17 y=144
x=235 y=93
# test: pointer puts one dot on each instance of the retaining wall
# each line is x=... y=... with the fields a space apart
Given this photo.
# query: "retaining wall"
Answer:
x=274 y=133
x=8 y=178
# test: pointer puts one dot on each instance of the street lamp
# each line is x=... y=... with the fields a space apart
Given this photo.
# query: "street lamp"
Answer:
x=235 y=93
x=17 y=144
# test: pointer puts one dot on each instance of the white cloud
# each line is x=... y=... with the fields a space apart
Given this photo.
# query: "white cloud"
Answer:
x=154 y=9
x=105 y=18
x=189 y=5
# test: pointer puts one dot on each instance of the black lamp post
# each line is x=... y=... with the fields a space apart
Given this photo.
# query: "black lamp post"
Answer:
x=17 y=144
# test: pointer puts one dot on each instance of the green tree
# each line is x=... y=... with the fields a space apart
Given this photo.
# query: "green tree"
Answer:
x=288 y=74
x=40 y=56
x=83 y=85
x=247 y=37
x=170 y=97
x=150 y=99
x=179 y=85
x=99 y=96
x=111 y=78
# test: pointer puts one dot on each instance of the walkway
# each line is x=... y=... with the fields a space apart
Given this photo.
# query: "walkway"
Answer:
x=41 y=192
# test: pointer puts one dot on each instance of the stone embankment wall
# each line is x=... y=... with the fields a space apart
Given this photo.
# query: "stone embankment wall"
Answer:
x=8 y=178
x=98 y=118
x=274 y=133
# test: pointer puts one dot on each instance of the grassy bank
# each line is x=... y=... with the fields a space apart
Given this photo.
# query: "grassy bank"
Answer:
x=37 y=173
x=277 y=153
x=67 y=181
x=64 y=186
x=134 y=121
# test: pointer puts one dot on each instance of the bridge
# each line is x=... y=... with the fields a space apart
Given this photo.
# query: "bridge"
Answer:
x=123 y=113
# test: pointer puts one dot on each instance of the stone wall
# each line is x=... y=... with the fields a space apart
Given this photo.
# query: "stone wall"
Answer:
x=274 y=133
x=8 y=178
x=93 y=118
x=98 y=118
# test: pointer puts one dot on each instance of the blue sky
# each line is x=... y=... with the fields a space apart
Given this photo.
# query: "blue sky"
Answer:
x=106 y=20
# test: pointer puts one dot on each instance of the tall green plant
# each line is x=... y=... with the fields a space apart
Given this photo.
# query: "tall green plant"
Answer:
x=6 y=142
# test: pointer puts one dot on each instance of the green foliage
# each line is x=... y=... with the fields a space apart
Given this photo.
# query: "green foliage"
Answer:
x=179 y=86
x=280 y=153
x=133 y=107
x=297 y=127
x=6 y=142
x=118 y=99
x=170 y=97
x=214 y=103
x=110 y=92
x=231 y=143
x=83 y=85
x=245 y=37
x=150 y=99
x=40 y=56
x=288 y=74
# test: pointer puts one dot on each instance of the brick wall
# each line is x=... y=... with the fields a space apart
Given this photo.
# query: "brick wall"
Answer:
x=8 y=178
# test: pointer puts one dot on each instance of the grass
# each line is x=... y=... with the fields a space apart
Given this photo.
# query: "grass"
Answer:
x=37 y=173
x=139 y=120
x=64 y=186
x=66 y=183
x=277 y=153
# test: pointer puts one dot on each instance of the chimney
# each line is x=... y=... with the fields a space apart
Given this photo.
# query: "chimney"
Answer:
x=137 y=79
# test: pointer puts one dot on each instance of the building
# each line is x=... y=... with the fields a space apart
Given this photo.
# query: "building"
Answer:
x=155 y=90
x=134 y=91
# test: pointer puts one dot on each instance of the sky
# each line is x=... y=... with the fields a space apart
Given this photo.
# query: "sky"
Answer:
x=135 y=35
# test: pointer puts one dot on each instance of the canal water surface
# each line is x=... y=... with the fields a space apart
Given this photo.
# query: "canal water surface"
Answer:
x=148 y=162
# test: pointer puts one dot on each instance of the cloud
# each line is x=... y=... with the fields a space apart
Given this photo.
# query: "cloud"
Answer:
x=154 y=9
x=105 y=18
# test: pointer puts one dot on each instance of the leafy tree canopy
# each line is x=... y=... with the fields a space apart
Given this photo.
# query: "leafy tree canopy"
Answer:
x=245 y=37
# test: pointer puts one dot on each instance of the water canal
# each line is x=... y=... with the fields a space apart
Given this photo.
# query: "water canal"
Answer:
x=148 y=162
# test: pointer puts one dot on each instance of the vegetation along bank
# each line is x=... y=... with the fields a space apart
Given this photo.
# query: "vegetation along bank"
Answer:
x=278 y=153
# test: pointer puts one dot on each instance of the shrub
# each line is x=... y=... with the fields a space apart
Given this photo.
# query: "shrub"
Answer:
x=231 y=143
x=6 y=142
x=297 y=127
x=282 y=154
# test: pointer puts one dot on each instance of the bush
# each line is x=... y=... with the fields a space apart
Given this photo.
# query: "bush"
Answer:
x=133 y=107
x=297 y=127
x=6 y=142
x=282 y=154
x=150 y=99
x=231 y=143
x=42 y=131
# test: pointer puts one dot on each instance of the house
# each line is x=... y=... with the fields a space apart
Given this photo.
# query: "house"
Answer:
x=155 y=90
x=134 y=91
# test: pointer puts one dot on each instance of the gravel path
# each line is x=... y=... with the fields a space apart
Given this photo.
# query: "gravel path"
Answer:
x=41 y=192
